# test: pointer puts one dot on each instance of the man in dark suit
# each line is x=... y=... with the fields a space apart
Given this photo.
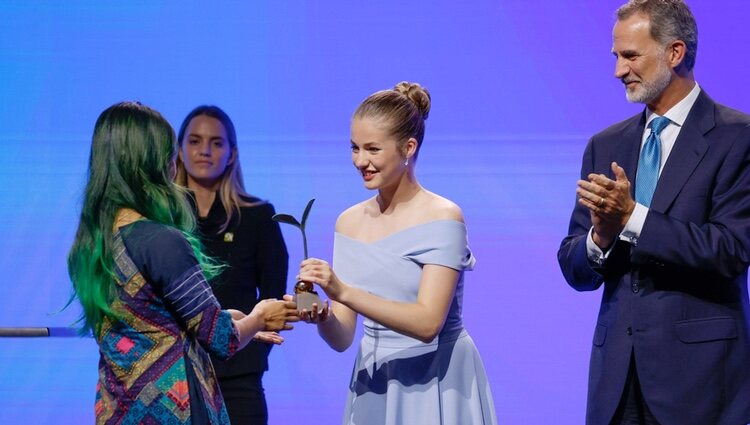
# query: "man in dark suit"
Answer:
x=662 y=220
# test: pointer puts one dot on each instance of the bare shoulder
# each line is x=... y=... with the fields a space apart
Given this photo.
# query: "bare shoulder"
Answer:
x=440 y=208
x=348 y=220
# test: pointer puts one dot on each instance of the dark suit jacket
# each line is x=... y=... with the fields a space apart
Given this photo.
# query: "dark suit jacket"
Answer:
x=678 y=298
x=257 y=262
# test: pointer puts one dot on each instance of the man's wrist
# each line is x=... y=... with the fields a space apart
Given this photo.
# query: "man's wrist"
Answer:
x=601 y=242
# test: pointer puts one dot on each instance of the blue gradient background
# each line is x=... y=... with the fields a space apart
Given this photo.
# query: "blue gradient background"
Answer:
x=517 y=86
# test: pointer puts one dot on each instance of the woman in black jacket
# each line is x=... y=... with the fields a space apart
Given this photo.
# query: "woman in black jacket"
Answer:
x=237 y=229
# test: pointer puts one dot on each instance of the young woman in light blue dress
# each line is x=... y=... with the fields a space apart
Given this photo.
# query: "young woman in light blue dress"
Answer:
x=399 y=261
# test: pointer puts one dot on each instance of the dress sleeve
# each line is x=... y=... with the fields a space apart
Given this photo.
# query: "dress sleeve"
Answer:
x=167 y=260
x=444 y=243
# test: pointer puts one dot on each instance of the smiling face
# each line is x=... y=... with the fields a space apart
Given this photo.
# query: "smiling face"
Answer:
x=377 y=155
x=205 y=151
x=642 y=62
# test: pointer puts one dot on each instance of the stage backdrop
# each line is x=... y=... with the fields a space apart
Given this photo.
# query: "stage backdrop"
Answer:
x=518 y=86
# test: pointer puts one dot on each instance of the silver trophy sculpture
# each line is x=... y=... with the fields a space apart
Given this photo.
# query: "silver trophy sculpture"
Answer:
x=304 y=295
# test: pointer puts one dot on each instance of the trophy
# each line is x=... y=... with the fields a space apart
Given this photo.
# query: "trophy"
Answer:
x=304 y=295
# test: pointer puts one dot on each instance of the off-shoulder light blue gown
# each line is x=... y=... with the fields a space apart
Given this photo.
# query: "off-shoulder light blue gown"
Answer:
x=398 y=379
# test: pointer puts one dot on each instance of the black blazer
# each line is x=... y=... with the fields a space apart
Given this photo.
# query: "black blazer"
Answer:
x=678 y=299
x=254 y=250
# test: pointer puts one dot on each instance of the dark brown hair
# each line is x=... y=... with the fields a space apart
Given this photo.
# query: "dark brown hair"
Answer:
x=670 y=20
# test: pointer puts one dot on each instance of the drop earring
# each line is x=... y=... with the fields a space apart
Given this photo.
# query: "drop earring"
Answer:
x=406 y=163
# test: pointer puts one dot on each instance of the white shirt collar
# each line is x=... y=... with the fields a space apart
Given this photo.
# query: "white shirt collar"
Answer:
x=679 y=112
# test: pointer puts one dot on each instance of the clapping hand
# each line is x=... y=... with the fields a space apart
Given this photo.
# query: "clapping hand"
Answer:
x=609 y=202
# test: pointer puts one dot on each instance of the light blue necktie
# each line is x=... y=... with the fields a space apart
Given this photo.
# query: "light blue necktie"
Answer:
x=648 y=164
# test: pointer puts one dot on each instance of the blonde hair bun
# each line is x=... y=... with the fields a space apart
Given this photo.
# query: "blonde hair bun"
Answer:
x=417 y=94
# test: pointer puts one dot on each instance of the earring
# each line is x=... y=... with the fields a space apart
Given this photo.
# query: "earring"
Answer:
x=406 y=163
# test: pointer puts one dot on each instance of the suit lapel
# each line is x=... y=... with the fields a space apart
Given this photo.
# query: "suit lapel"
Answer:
x=689 y=148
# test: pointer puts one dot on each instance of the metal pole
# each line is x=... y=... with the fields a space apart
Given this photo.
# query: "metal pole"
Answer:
x=29 y=332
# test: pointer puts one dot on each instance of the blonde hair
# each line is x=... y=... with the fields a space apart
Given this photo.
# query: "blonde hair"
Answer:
x=232 y=186
x=402 y=110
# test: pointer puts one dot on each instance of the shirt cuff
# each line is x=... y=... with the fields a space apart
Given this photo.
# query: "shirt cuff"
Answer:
x=594 y=253
x=634 y=226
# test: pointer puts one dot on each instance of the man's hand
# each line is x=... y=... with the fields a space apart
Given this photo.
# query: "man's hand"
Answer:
x=609 y=202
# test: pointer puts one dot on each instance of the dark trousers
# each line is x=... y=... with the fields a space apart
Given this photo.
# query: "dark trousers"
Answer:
x=245 y=399
x=633 y=409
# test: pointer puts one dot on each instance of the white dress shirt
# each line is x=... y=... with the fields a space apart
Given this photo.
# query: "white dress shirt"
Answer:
x=677 y=115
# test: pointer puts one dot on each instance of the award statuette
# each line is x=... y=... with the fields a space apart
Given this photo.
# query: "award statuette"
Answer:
x=304 y=295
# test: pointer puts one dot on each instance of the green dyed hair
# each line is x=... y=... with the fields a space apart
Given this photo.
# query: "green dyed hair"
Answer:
x=132 y=152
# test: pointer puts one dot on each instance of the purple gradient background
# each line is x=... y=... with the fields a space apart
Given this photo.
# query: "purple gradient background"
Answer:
x=518 y=87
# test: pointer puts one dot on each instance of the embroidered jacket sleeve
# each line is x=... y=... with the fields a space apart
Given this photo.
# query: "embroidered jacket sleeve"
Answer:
x=170 y=264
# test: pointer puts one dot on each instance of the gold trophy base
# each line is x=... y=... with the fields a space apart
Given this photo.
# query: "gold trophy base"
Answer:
x=305 y=300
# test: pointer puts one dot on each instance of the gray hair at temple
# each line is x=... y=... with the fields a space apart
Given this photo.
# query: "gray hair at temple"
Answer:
x=670 y=20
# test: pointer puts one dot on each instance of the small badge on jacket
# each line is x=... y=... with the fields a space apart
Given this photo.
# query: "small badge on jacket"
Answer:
x=228 y=237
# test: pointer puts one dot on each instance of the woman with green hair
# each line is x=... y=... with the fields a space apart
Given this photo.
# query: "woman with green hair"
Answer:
x=140 y=277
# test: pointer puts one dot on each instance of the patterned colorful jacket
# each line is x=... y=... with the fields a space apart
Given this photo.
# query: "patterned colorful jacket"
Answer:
x=154 y=367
